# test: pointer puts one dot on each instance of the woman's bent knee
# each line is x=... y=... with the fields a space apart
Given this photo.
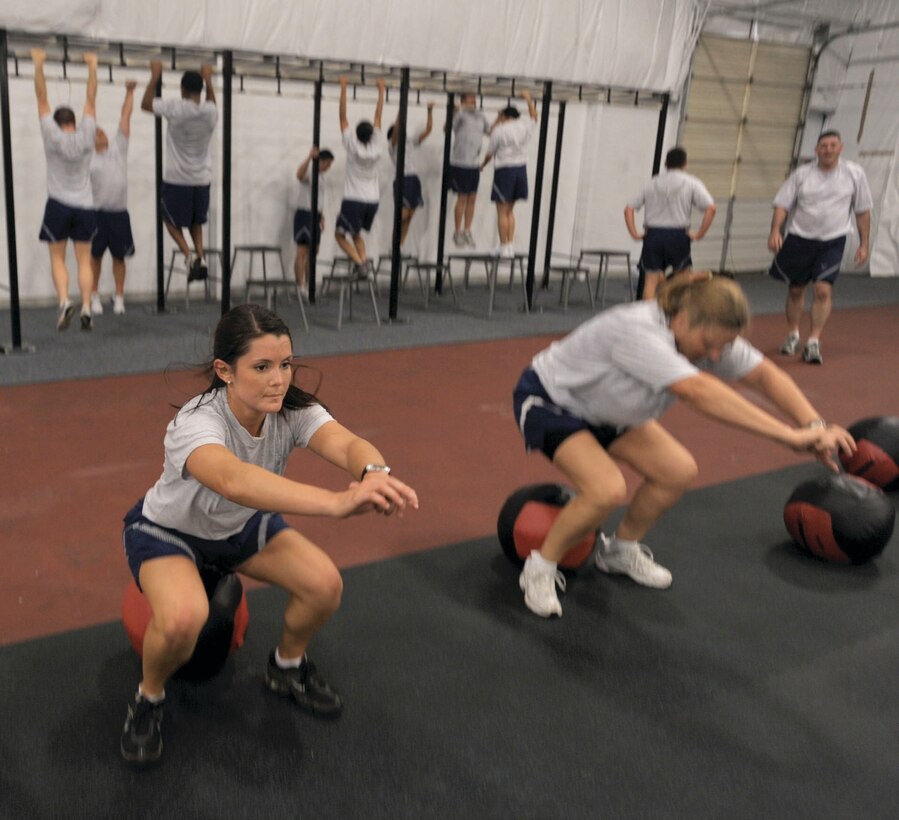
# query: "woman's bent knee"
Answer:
x=611 y=494
x=181 y=626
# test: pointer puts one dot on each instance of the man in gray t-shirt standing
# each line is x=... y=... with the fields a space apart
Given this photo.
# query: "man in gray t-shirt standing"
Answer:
x=188 y=166
x=69 y=213
x=469 y=128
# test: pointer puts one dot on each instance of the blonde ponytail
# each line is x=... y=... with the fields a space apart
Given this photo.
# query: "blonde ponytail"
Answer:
x=715 y=300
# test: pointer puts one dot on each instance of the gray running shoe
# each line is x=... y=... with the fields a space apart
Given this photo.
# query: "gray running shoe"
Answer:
x=811 y=353
x=791 y=346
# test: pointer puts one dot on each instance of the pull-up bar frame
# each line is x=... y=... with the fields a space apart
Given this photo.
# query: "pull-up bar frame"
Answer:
x=406 y=79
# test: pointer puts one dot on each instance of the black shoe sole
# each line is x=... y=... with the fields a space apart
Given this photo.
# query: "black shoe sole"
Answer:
x=139 y=762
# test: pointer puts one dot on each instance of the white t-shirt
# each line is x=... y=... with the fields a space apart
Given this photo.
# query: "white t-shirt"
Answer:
x=179 y=501
x=190 y=127
x=109 y=176
x=410 y=160
x=68 y=161
x=616 y=368
x=509 y=141
x=469 y=127
x=821 y=203
x=304 y=197
x=361 y=176
x=670 y=197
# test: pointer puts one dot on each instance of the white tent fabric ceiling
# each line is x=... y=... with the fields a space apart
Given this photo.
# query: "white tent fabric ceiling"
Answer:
x=642 y=45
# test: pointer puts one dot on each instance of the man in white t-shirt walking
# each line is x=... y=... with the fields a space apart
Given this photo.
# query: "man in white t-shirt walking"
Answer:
x=669 y=199
x=821 y=197
x=69 y=213
x=188 y=166
x=109 y=182
x=361 y=190
x=508 y=147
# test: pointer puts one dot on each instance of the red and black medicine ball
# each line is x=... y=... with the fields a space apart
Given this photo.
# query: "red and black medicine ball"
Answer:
x=222 y=634
x=840 y=518
x=526 y=517
x=877 y=457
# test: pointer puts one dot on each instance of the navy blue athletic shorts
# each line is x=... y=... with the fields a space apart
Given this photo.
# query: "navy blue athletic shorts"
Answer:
x=66 y=222
x=510 y=184
x=412 y=192
x=145 y=540
x=544 y=424
x=356 y=216
x=800 y=261
x=665 y=248
x=464 y=180
x=302 y=226
x=185 y=205
x=113 y=233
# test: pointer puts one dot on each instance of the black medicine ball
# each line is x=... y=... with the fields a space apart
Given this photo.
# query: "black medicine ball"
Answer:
x=525 y=519
x=877 y=457
x=840 y=518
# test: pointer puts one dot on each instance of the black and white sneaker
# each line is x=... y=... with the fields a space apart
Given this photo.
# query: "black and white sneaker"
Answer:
x=197 y=271
x=142 y=736
x=303 y=684
x=86 y=322
x=66 y=312
x=364 y=271
x=811 y=353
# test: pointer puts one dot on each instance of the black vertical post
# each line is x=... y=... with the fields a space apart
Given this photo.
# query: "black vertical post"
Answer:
x=160 y=262
x=444 y=187
x=227 y=72
x=396 y=263
x=14 y=310
x=538 y=190
x=660 y=135
x=316 y=137
x=553 y=195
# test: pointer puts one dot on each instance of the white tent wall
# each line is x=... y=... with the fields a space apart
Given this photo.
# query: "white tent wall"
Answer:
x=629 y=43
x=641 y=44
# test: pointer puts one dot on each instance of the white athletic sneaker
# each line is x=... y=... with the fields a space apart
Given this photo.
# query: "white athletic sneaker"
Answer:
x=538 y=582
x=118 y=305
x=96 y=304
x=469 y=239
x=507 y=252
x=636 y=562
x=458 y=238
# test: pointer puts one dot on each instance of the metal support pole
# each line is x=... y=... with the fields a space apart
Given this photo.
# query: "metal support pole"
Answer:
x=553 y=195
x=660 y=135
x=728 y=224
x=12 y=252
x=396 y=263
x=538 y=190
x=227 y=74
x=160 y=230
x=316 y=137
x=444 y=188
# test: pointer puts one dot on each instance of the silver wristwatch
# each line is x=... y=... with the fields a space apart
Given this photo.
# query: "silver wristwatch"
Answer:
x=374 y=468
